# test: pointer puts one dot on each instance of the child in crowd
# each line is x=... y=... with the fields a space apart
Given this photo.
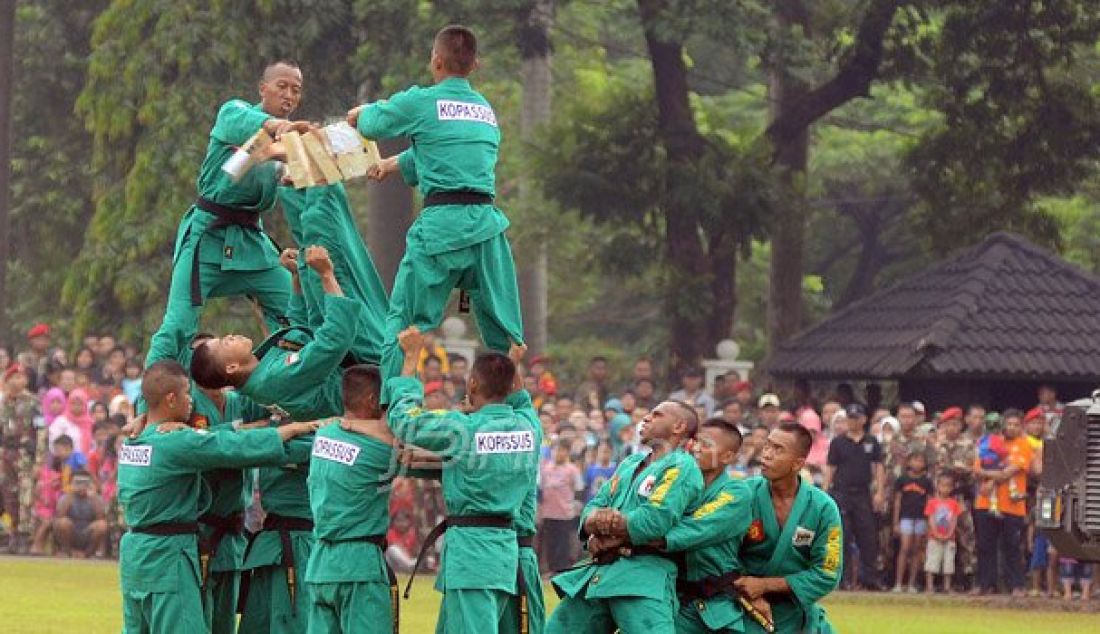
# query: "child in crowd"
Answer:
x=599 y=471
x=1071 y=571
x=910 y=498
x=942 y=512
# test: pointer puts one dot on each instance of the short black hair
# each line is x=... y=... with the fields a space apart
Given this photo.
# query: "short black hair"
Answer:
x=198 y=339
x=1012 y=412
x=362 y=384
x=597 y=359
x=117 y=419
x=494 y=372
x=802 y=435
x=457 y=45
x=717 y=422
x=689 y=416
x=161 y=379
x=206 y=370
x=433 y=357
x=63 y=439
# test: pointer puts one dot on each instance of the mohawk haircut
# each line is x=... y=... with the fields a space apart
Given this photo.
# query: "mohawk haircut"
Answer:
x=494 y=372
x=161 y=379
x=285 y=61
x=457 y=45
x=206 y=370
x=689 y=416
x=362 y=385
x=802 y=435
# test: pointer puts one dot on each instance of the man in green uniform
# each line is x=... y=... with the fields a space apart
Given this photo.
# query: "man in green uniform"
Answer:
x=490 y=460
x=321 y=216
x=648 y=495
x=710 y=537
x=352 y=587
x=458 y=239
x=159 y=488
x=296 y=372
x=221 y=249
x=792 y=552
x=222 y=541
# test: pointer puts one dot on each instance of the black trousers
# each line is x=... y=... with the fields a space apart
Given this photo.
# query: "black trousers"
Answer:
x=860 y=529
x=557 y=539
x=1001 y=535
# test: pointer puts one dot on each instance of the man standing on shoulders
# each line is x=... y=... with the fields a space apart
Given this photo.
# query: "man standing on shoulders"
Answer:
x=793 y=551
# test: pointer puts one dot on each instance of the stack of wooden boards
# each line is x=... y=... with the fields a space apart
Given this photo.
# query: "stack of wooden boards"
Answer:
x=321 y=156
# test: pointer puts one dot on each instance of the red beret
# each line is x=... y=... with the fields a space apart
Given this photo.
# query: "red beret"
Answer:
x=1034 y=413
x=743 y=386
x=38 y=330
x=952 y=412
x=540 y=358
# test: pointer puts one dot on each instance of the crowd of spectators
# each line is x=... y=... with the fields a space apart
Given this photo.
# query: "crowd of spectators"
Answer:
x=930 y=501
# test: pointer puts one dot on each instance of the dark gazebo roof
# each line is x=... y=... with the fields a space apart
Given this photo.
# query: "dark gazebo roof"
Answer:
x=1002 y=309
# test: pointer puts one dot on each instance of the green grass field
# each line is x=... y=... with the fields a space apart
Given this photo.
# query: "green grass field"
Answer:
x=62 y=597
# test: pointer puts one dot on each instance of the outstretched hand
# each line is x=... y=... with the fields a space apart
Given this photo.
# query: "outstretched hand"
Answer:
x=383 y=169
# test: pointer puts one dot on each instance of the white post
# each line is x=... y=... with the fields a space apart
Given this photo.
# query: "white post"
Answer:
x=727 y=351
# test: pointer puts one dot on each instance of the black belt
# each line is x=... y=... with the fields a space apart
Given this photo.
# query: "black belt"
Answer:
x=168 y=529
x=227 y=216
x=457 y=198
x=721 y=585
x=284 y=525
x=525 y=541
x=381 y=543
x=709 y=587
x=208 y=548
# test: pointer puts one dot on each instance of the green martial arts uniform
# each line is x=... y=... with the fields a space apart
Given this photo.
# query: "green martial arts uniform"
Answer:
x=299 y=375
x=525 y=521
x=349 y=491
x=159 y=490
x=636 y=593
x=231 y=258
x=321 y=216
x=710 y=537
x=453 y=243
x=807 y=551
x=221 y=528
x=490 y=458
x=275 y=598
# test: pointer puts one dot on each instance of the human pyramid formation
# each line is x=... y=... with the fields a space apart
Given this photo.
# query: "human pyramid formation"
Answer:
x=328 y=410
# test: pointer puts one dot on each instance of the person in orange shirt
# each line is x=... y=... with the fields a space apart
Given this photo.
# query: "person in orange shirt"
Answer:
x=1000 y=526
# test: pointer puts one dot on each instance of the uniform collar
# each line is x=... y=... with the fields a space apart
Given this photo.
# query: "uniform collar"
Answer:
x=456 y=81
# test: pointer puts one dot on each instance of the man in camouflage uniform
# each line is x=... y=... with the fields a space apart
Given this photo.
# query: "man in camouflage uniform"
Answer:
x=955 y=455
x=22 y=445
x=895 y=453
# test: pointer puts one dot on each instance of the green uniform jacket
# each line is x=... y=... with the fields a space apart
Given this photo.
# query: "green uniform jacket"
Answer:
x=349 y=491
x=653 y=499
x=230 y=489
x=306 y=384
x=159 y=481
x=807 y=552
x=489 y=458
x=283 y=491
x=321 y=216
x=234 y=248
x=455 y=143
x=710 y=536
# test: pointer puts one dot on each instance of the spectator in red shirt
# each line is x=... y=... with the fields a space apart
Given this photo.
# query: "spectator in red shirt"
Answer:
x=943 y=513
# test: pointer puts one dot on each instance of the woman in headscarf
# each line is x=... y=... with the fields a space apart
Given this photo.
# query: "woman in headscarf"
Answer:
x=53 y=405
x=78 y=418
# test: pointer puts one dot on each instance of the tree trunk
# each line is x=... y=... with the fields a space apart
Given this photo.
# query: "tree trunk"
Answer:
x=687 y=274
x=389 y=216
x=7 y=70
x=533 y=41
x=784 y=317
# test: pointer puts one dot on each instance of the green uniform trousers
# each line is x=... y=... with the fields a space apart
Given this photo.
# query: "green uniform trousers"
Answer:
x=536 y=602
x=688 y=621
x=271 y=288
x=358 y=607
x=473 y=612
x=268 y=609
x=156 y=612
x=220 y=601
x=632 y=615
x=424 y=283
